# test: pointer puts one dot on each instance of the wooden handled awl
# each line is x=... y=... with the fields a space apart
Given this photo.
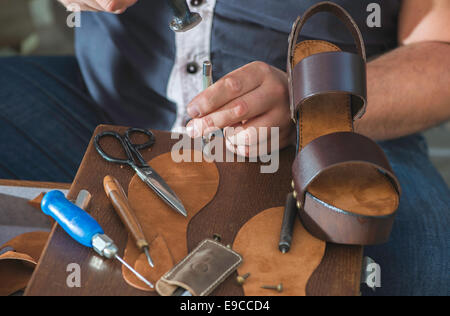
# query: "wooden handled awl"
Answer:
x=119 y=200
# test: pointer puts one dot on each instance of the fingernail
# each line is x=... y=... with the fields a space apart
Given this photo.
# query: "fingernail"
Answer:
x=197 y=128
x=190 y=130
x=242 y=151
x=242 y=138
x=193 y=111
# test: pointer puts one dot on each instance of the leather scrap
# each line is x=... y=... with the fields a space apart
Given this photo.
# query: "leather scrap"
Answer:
x=36 y=202
x=196 y=184
x=17 y=264
x=257 y=242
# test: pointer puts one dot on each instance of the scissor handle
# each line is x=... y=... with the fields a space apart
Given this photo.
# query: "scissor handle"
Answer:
x=135 y=148
x=107 y=157
x=149 y=134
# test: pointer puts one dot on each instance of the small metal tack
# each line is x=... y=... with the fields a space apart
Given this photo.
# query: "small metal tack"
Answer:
x=278 y=288
x=242 y=278
x=217 y=237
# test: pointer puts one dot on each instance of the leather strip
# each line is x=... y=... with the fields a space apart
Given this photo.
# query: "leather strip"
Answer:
x=334 y=150
x=341 y=227
x=331 y=72
x=339 y=12
x=17 y=264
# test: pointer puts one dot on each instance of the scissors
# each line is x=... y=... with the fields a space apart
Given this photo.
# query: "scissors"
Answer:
x=142 y=169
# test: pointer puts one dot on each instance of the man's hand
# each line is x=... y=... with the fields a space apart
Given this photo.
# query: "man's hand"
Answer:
x=250 y=97
x=112 y=6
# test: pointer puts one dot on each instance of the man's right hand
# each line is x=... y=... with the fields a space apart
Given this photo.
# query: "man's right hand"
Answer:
x=112 y=6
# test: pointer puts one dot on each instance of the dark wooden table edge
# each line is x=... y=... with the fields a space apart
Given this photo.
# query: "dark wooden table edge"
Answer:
x=39 y=262
x=35 y=184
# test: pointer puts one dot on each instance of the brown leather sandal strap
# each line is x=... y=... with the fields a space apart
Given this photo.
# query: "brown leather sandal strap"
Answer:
x=300 y=22
x=334 y=150
x=331 y=72
x=341 y=227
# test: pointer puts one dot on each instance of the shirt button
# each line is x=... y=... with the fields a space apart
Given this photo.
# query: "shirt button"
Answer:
x=192 y=68
x=196 y=3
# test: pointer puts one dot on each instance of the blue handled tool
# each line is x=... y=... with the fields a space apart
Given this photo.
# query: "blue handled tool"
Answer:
x=82 y=227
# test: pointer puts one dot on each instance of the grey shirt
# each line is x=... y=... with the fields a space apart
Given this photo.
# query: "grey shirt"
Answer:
x=129 y=61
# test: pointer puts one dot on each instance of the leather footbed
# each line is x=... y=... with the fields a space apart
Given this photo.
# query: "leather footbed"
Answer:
x=357 y=188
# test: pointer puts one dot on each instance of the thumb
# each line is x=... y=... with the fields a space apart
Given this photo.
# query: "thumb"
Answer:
x=116 y=6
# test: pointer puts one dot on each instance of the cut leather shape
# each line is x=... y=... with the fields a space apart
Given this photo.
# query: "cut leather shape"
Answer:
x=205 y=268
x=161 y=256
x=15 y=272
x=196 y=184
x=36 y=202
x=31 y=244
x=351 y=200
x=257 y=242
x=17 y=266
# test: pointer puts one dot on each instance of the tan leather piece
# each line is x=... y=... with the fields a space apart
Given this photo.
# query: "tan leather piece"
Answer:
x=31 y=244
x=161 y=256
x=17 y=256
x=196 y=184
x=36 y=202
x=354 y=188
x=17 y=266
x=257 y=242
x=15 y=272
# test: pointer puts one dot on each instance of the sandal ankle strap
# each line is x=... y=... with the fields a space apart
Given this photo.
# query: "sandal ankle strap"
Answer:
x=349 y=77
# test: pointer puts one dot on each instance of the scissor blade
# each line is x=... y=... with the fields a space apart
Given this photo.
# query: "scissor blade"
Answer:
x=154 y=180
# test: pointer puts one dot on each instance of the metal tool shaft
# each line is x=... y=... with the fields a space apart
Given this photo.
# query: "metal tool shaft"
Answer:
x=287 y=227
x=207 y=75
x=149 y=259
x=208 y=82
x=135 y=272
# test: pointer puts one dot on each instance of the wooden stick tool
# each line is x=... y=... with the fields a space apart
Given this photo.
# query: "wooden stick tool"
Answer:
x=119 y=200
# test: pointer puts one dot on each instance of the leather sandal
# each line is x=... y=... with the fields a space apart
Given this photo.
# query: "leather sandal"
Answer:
x=346 y=190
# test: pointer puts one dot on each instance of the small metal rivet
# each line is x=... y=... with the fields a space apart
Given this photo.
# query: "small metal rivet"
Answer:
x=278 y=288
x=229 y=246
x=294 y=194
x=299 y=205
x=241 y=278
x=293 y=184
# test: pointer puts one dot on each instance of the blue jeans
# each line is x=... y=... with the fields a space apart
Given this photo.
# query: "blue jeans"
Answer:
x=47 y=119
x=416 y=261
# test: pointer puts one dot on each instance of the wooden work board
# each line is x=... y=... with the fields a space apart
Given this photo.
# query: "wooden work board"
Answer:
x=338 y=274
